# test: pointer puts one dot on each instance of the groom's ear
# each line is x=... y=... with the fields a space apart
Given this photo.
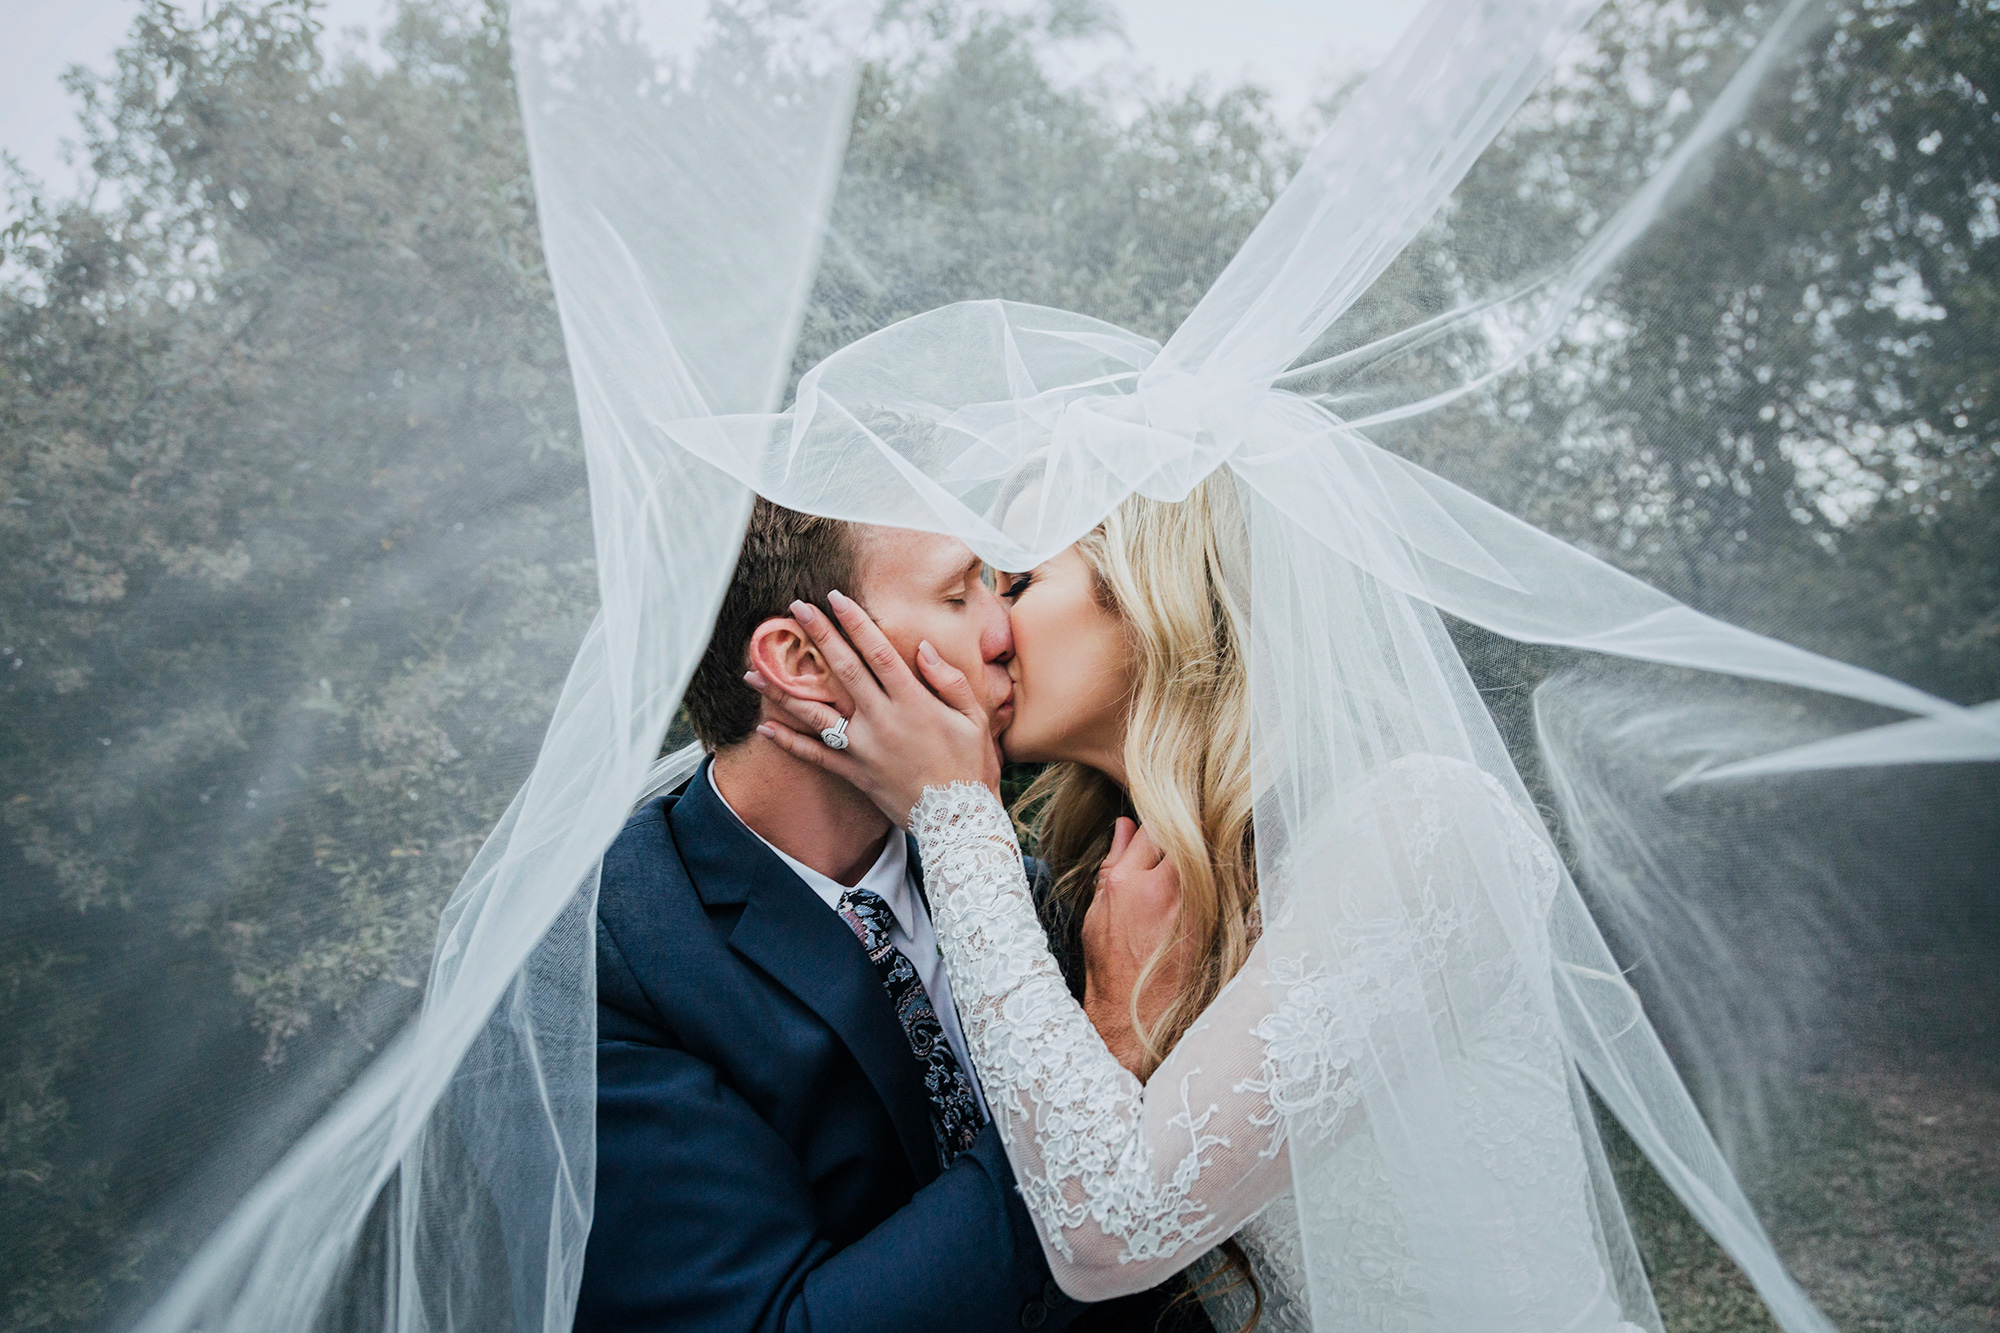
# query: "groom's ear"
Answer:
x=782 y=653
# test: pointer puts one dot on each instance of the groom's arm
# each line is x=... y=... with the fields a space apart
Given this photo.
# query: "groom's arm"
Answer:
x=704 y=1221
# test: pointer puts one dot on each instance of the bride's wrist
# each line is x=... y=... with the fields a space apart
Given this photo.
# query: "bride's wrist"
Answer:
x=943 y=792
x=945 y=784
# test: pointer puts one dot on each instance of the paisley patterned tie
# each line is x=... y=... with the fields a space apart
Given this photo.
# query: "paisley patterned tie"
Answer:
x=955 y=1117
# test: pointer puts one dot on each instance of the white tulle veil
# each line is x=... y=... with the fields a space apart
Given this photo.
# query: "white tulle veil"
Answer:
x=685 y=163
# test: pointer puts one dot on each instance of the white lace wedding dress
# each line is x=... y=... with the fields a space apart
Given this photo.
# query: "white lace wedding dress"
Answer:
x=1128 y=1184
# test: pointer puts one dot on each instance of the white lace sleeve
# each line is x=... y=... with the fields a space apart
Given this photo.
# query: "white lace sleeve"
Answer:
x=1127 y=1184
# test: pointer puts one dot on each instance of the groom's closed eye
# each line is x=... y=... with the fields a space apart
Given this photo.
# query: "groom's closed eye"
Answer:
x=957 y=593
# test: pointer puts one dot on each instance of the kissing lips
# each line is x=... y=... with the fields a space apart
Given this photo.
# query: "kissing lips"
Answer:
x=1003 y=714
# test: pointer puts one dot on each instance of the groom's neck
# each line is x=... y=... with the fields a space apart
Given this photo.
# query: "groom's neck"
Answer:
x=803 y=811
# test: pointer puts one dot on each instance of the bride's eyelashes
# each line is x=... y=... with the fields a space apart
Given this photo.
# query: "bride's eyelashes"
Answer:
x=1017 y=584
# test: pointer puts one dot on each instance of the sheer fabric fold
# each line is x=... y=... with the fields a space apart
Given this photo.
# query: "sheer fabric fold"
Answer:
x=460 y=1163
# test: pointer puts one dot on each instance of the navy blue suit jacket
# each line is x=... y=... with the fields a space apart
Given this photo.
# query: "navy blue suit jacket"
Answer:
x=764 y=1149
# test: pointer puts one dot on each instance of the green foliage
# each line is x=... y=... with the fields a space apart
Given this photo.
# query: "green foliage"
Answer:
x=299 y=380
x=1789 y=381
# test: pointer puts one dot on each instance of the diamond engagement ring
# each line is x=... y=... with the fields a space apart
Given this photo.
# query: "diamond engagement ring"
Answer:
x=835 y=736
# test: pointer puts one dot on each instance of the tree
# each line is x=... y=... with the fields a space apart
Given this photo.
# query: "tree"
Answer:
x=297 y=380
x=1788 y=382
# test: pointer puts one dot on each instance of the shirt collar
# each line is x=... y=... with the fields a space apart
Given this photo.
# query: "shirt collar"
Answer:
x=889 y=877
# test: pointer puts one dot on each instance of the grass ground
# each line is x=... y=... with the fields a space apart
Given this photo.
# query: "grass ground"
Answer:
x=1888 y=1211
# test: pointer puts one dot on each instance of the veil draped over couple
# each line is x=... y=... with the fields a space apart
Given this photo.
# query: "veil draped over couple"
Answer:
x=1295 y=1003
x=1151 y=1106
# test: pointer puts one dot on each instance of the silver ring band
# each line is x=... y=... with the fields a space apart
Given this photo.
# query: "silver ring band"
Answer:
x=835 y=736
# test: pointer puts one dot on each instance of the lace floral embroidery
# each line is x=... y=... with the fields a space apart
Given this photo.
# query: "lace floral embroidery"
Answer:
x=1319 y=1026
x=1062 y=1100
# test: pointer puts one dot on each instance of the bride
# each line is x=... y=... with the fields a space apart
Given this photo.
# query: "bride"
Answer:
x=1172 y=1136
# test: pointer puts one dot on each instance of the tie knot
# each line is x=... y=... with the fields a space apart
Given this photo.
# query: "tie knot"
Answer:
x=868 y=914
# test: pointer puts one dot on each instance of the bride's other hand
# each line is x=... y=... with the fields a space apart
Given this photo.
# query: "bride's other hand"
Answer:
x=1133 y=914
x=901 y=737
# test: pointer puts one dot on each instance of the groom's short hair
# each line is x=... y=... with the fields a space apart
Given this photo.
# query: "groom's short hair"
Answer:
x=786 y=557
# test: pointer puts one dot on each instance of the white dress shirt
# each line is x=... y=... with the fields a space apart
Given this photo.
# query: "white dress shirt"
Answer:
x=893 y=878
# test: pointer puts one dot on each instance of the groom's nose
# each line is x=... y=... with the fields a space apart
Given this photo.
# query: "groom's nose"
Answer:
x=996 y=638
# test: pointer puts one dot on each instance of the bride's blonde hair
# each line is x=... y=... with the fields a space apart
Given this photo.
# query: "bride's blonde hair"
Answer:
x=1165 y=570
x=1160 y=567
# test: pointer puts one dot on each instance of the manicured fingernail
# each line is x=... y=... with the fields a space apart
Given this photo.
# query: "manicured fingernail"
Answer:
x=928 y=653
x=767 y=731
x=753 y=680
x=837 y=597
x=803 y=612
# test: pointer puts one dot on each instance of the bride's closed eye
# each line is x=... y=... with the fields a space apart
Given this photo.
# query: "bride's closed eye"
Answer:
x=1017 y=584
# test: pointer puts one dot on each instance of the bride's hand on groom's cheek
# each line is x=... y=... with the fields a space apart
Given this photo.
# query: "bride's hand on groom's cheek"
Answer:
x=1132 y=916
x=903 y=734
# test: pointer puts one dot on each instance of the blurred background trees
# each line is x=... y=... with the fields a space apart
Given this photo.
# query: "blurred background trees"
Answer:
x=293 y=523
x=297 y=544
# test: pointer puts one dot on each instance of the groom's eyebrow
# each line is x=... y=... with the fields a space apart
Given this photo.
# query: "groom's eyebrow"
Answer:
x=968 y=573
x=959 y=575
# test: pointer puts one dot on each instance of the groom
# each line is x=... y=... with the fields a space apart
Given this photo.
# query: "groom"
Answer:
x=789 y=1132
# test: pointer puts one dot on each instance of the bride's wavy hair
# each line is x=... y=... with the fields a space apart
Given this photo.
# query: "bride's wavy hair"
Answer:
x=1166 y=569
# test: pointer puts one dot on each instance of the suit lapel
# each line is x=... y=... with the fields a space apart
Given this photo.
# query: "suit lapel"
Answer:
x=804 y=946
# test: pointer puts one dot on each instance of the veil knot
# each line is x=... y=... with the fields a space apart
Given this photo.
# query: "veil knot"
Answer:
x=1161 y=435
x=969 y=389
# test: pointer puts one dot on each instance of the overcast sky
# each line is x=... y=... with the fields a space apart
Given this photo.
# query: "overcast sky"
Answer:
x=1287 y=45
